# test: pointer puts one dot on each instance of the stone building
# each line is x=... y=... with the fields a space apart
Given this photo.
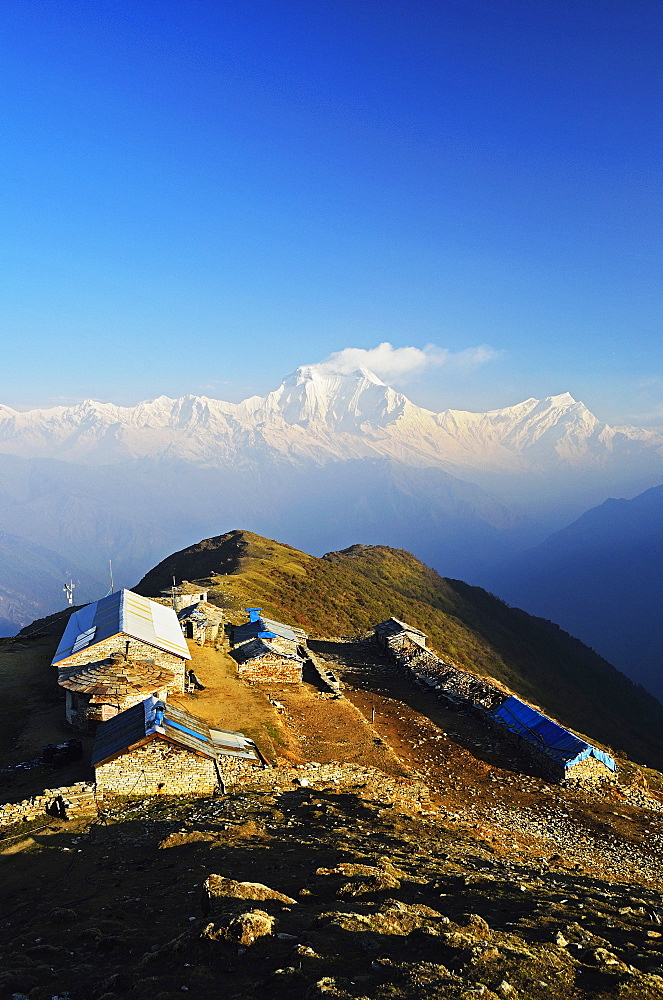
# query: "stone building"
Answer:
x=155 y=748
x=390 y=633
x=268 y=651
x=98 y=691
x=184 y=595
x=553 y=750
x=268 y=661
x=116 y=651
x=266 y=628
x=203 y=622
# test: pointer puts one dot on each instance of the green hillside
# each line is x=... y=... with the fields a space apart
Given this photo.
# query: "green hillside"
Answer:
x=347 y=592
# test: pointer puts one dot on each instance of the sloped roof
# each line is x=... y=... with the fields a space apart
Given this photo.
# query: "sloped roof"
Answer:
x=138 y=725
x=556 y=742
x=392 y=626
x=111 y=679
x=256 y=648
x=251 y=630
x=202 y=612
x=122 y=613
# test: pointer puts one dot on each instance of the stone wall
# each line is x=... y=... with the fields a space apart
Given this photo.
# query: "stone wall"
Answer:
x=442 y=676
x=271 y=669
x=81 y=799
x=159 y=768
x=138 y=650
x=367 y=781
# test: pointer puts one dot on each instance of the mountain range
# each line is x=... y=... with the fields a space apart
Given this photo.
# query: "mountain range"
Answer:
x=325 y=460
x=318 y=416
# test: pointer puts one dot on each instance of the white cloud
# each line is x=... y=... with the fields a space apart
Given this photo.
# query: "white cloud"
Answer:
x=399 y=364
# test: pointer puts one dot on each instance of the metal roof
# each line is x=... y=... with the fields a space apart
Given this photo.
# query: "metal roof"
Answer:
x=119 y=734
x=258 y=647
x=252 y=629
x=552 y=739
x=122 y=613
x=138 y=725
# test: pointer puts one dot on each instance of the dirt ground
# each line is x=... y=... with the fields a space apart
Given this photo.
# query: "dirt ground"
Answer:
x=229 y=703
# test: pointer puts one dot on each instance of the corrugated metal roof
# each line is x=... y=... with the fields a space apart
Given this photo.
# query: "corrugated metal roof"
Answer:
x=136 y=725
x=556 y=742
x=250 y=630
x=118 y=734
x=259 y=647
x=231 y=744
x=122 y=613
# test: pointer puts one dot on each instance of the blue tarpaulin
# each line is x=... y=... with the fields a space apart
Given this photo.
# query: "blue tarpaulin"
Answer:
x=551 y=738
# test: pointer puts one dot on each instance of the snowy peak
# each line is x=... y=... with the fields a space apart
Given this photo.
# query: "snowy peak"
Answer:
x=319 y=414
x=341 y=401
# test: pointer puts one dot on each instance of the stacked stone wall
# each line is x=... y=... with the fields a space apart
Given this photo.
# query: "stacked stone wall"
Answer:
x=367 y=781
x=271 y=670
x=441 y=675
x=159 y=768
x=80 y=798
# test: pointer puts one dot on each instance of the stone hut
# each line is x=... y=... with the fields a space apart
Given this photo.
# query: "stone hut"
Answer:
x=268 y=661
x=155 y=748
x=266 y=628
x=184 y=595
x=269 y=651
x=391 y=633
x=203 y=622
x=556 y=752
x=98 y=691
x=142 y=631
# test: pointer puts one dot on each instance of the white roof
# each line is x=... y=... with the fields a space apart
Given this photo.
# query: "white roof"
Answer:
x=122 y=613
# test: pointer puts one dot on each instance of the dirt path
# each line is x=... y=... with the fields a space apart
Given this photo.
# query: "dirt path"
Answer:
x=333 y=729
x=229 y=703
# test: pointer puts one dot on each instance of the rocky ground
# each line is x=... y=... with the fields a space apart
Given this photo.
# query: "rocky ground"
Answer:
x=401 y=852
x=371 y=891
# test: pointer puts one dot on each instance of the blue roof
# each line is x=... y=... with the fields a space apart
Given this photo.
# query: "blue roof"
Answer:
x=260 y=628
x=552 y=739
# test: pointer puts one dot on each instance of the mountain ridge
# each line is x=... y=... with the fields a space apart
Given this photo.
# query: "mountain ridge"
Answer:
x=349 y=591
x=601 y=578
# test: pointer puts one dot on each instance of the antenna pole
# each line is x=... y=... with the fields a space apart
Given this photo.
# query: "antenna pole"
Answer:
x=110 y=567
x=69 y=591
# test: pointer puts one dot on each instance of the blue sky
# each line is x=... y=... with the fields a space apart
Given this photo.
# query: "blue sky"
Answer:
x=200 y=196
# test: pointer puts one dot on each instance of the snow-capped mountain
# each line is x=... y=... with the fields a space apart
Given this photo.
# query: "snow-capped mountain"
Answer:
x=325 y=460
x=316 y=416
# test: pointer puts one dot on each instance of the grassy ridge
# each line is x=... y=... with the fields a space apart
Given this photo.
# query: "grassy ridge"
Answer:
x=347 y=592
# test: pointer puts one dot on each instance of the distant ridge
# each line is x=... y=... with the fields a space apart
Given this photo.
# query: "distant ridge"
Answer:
x=602 y=579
